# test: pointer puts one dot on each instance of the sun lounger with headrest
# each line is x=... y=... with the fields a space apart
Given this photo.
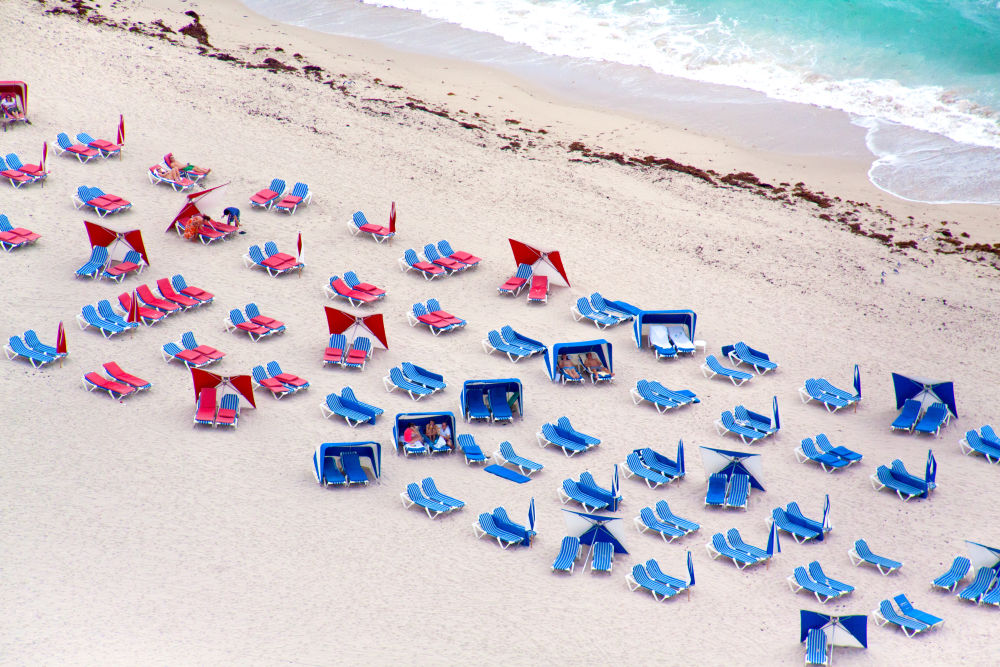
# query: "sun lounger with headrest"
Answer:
x=883 y=478
x=466 y=258
x=634 y=467
x=487 y=526
x=647 y=521
x=539 y=290
x=800 y=533
x=300 y=195
x=411 y=262
x=413 y=497
x=908 y=416
x=205 y=413
x=277 y=388
x=886 y=614
x=974 y=442
x=934 y=419
x=570 y=445
x=862 y=553
x=360 y=224
x=105 y=310
x=570 y=490
x=447 y=263
x=800 y=580
x=908 y=609
x=811 y=391
x=189 y=343
x=494 y=343
x=395 y=380
x=955 y=574
x=17 y=348
x=816 y=653
x=825 y=446
x=741 y=353
x=817 y=574
x=507 y=455
x=514 y=338
x=582 y=309
x=640 y=578
x=117 y=390
x=569 y=551
x=334 y=352
x=65 y=146
x=517 y=282
x=718 y=546
x=351 y=278
x=713 y=367
x=807 y=451
x=358 y=354
x=603 y=557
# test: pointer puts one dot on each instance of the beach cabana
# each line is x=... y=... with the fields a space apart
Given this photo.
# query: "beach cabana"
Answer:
x=117 y=243
x=365 y=450
x=599 y=346
x=18 y=90
x=199 y=203
x=511 y=389
x=729 y=463
x=644 y=319
x=241 y=385
x=542 y=262
x=406 y=419
x=596 y=528
x=352 y=326
x=847 y=631
x=924 y=390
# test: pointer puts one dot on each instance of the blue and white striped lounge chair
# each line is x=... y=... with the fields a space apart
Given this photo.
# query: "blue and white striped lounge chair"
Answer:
x=569 y=551
x=795 y=515
x=415 y=373
x=799 y=580
x=908 y=416
x=395 y=380
x=647 y=521
x=33 y=171
x=683 y=396
x=238 y=322
x=550 y=436
x=347 y=397
x=473 y=453
x=269 y=195
x=564 y=425
x=955 y=574
x=817 y=574
x=798 y=532
x=351 y=278
x=475 y=406
x=713 y=367
x=17 y=348
x=741 y=353
x=715 y=495
x=412 y=496
x=334 y=405
x=460 y=255
x=825 y=446
x=95 y=265
x=415 y=448
x=659 y=340
x=229 y=411
x=719 y=547
x=254 y=315
x=190 y=291
x=908 y=609
x=36 y=345
x=360 y=224
x=640 y=578
x=190 y=358
x=517 y=282
x=727 y=424
x=296 y=383
x=590 y=486
x=507 y=455
x=757 y=422
x=816 y=653
x=504 y=522
x=89 y=318
x=16 y=177
x=335 y=350
x=357 y=355
x=990 y=435
x=974 y=443
x=82 y=152
x=679 y=337
x=886 y=614
x=300 y=195
x=332 y=476
x=900 y=472
x=985 y=576
x=933 y=420
x=12 y=237
x=807 y=452
x=352 y=469
x=583 y=309
x=437 y=325
x=432 y=492
x=494 y=343
x=514 y=338
x=667 y=516
x=992 y=596
x=635 y=468
x=643 y=391
x=603 y=558
x=608 y=309
x=487 y=526
x=736 y=541
x=105 y=310
x=570 y=490
x=277 y=388
x=842 y=394
x=811 y=391
x=434 y=308
x=411 y=262
x=883 y=478
x=658 y=575
x=131 y=262
x=499 y=408
x=862 y=553
x=738 y=493
x=447 y=263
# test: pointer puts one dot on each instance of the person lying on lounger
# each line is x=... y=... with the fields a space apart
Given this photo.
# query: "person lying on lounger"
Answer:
x=193 y=225
x=169 y=174
x=568 y=368
x=174 y=163
x=594 y=365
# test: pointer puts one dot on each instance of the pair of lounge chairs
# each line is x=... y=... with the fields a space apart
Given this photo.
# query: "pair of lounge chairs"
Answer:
x=118 y=384
x=276 y=381
x=732 y=546
x=417 y=382
x=563 y=435
x=356 y=355
x=99 y=265
x=32 y=349
x=12 y=237
x=664 y=522
x=750 y=427
x=660 y=397
x=897 y=478
x=824 y=393
x=507 y=456
x=191 y=354
x=436 y=262
x=861 y=553
x=815 y=581
x=729 y=491
x=434 y=317
x=225 y=413
x=102 y=203
x=651 y=467
x=933 y=419
x=985 y=441
x=359 y=224
x=908 y=619
x=273 y=197
x=588 y=493
x=352 y=290
x=667 y=341
x=20 y=174
x=434 y=502
x=500 y=526
x=254 y=324
x=87 y=149
x=595 y=309
x=649 y=577
x=515 y=347
x=740 y=353
x=712 y=367
x=274 y=262
x=488 y=403
x=984 y=589
x=791 y=520
x=823 y=452
x=350 y=470
x=104 y=319
x=348 y=406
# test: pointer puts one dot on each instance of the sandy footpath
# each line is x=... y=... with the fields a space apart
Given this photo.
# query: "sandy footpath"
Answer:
x=131 y=538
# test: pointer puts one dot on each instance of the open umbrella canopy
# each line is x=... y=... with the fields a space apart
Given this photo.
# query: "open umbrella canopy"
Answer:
x=117 y=243
x=924 y=390
x=353 y=326
x=591 y=528
x=981 y=555
x=202 y=203
x=542 y=262
x=850 y=631
x=599 y=346
x=242 y=385
x=730 y=462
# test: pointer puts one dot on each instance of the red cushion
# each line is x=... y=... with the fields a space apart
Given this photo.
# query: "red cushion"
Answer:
x=264 y=195
x=374 y=229
x=124 y=267
x=191 y=355
x=333 y=353
x=428 y=267
x=290 y=200
x=274 y=262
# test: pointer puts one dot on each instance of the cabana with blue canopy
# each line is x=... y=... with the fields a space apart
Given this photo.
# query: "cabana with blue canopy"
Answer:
x=729 y=463
x=981 y=555
x=369 y=450
x=848 y=631
x=647 y=318
x=924 y=390
x=599 y=346
x=512 y=388
x=406 y=419
x=593 y=528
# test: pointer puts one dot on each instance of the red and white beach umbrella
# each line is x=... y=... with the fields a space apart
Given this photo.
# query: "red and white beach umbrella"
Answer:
x=45 y=154
x=542 y=262
x=117 y=243
x=298 y=246
x=241 y=384
x=392 y=218
x=120 y=138
x=353 y=326
x=133 y=310
x=61 y=340
x=203 y=202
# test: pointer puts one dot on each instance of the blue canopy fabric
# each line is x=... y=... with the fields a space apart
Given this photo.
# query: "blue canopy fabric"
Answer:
x=924 y=390
x=773 y=541
x=591 y=528
x=404 y=419
x=600 y=346
x=774 y=411
x=930 y=473
x=729 y=462
x=857 y=379
x=646 y=318
x=531 y=514
x=680 y=455
x=851 y=631
x=370 y=450
x=510 y=385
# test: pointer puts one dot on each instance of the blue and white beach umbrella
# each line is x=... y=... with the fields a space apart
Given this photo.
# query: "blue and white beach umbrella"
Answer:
x=981 y=555
x=690 y=572
x=729 y=462
x=930 y=473
x=593 y=528
x=773 y=540
x=531 y=515
x=826 y=514
x=614 y=483
x=848 y=631
x=924 y=390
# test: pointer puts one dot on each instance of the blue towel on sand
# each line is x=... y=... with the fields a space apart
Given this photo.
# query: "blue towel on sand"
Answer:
x=507 y=473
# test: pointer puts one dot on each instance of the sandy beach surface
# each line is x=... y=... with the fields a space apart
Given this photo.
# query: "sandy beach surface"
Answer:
x=131 y=538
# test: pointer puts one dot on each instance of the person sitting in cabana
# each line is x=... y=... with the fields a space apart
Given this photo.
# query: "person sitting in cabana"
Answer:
x=594 y=366
x=568 y=368
x=184 y=168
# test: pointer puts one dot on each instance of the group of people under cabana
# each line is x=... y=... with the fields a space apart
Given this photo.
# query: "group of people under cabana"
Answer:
x=590 y=363
x=433 y=433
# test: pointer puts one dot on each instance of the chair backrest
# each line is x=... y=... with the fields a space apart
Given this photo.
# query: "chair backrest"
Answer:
x=277 y=186
x=106 y=311
x=359 y=219
x=252 y=310
x=445 y=248
x=206 y=397
x=230 y=402
x=433 y=305
x=98 y=254
x=236 y=316
x=523 y=271
x=256 y=254
x=300 y=190
x=270 y=248
x=583 y=306
x=5 y=225
x=14 y=161
x=351 y=279
x=258 y=374
x=431 y=253
x=598 y=301
x=396 y=375
x=273 y=368
x=63 y=140
x=410 y=256
x=507 y=450
x=539 y=282
x=134 y=257
x=362 y=344
x=188 y=341
x=83 y=193
x=172 y=349
x=338 y=341
x=419 y=309
x=179 y=283
x=84 y=138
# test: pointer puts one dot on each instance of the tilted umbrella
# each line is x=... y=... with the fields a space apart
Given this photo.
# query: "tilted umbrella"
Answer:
x=352 y=326
x=924 y=390
x=542 y=262
x=848 y=631
x=242 y=385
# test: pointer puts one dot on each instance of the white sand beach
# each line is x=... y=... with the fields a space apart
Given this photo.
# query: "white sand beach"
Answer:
x=130 y=537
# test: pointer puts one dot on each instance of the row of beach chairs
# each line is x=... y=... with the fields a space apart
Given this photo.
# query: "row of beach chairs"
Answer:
x=177 y=296
x=429 y=498
x=344 y=470
x=351 y=289
x=348 y=406
x=434 y=317
x=12 y=238
x=538 y=285
x=570 y=549
x=20 y=174
x=417 y=382
x=31 y=349
x=279 y=383
x=99 y=265
x=270 y=259
x=87 y=147
x=985 y=441
x=563 y=435
x=814 y=580
x=791 y=520
x=908 y=619
x=649 y=577
x=255 y=325
x=913 y=418
x=118 y=384
x=273 y=197
x=190 y=353
x=102 y=203
x=750 y=427
x=732 y=546
x=897 y=478
x=338 y=353
x=224 y=413
x=740 y=353
x=985 y=586
x=826 y=394
x=487 y=403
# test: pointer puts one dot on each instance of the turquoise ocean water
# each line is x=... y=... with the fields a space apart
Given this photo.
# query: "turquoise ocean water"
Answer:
x=921 y=77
